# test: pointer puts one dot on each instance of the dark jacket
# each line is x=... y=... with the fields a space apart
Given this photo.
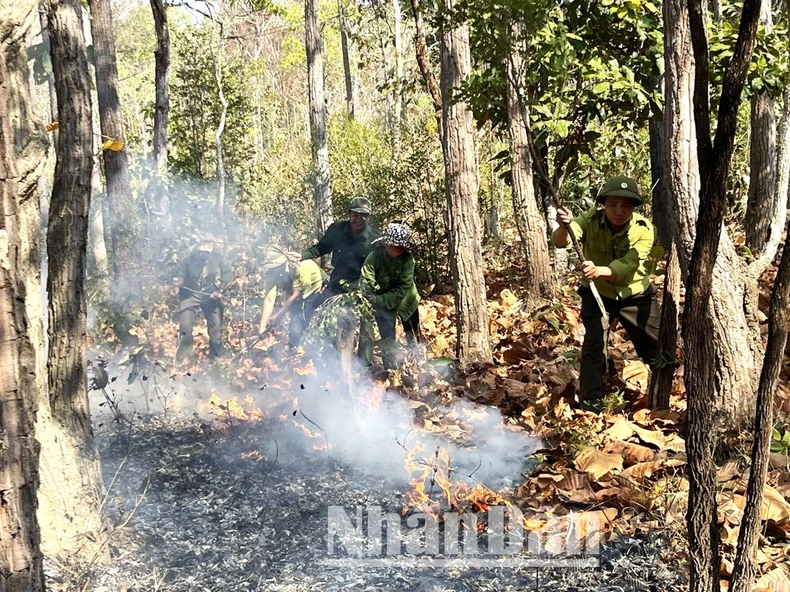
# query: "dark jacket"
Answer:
x=348 y=253
x=201 y=271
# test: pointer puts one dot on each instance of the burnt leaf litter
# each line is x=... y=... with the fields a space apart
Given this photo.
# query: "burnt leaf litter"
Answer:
x=219 y=479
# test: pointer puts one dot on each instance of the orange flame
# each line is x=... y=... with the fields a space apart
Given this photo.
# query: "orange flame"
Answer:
x=231 y=409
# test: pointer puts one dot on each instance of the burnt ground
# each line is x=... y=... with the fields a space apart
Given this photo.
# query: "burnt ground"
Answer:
x=233 y=509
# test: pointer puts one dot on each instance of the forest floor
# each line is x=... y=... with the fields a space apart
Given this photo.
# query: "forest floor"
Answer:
x=234 y=475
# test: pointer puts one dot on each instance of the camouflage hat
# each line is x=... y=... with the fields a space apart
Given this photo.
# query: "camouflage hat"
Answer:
x=397 y=235
x=620 y=187
x=360 y=205
x=274 y=257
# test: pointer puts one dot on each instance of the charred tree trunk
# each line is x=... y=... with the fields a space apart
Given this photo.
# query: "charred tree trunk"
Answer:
x=161 y=107
x=22 y=151
x=540 y=282
x=76 y=457
x=663 y=375
x=350 y=103
x=116 y=169
x=701 y=359
x=461 y=179
x=315 y=84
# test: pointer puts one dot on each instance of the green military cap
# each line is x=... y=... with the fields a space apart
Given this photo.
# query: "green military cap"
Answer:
x=621 y=187
x=274 y=257
x=360 y=205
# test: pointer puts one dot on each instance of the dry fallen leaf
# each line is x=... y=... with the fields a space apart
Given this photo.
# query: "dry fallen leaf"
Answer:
x=596 y=463
x=775 y=580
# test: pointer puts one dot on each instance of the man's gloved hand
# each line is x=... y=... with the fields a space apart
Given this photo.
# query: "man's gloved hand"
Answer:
x=216 y=295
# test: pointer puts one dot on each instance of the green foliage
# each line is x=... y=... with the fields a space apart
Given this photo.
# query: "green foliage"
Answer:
x=780 y=442
x=337 y=315
x=196 y=109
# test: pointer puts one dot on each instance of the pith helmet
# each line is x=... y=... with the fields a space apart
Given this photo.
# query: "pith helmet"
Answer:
x=360 y=205
x=622 y=187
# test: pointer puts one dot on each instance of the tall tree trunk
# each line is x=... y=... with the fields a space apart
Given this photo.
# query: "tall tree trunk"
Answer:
x=732 y=335
x=701 y=359
x=218 y=133
x=22 y=150
x=461 y=179
x=421 y=51
x=116 y=169
x=531 y=227
x=762 y=207
x=341 y=15
x=662 y=208
x=777 y=209
x=315 y=84
x=53 y=99
x=161 y=107
x=397 y=91
x=745 y=568
x=75 y=457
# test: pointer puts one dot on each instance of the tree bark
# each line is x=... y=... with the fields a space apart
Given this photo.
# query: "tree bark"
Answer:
x=745 y=568
x=315 y=84
x=701 y=360
x=161 y=107
x=461 y=179
x=77 y=468
x=22 y=151
x=218 y=133
x=341 y=15
x=116 y=169
x=732 y=336
x=540 y=283
x=397 y=91
x=662 y=215
x=662 y=377
x=421 y=51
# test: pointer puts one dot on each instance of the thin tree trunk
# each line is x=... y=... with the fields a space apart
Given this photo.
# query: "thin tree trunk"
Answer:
x=701 y=360
x=662 y=377
x=116 y=169
x=540 y=282
x=315 y=84
x=161 y=107
x=99 y=246
x=341 y=15
x=78 y=467
x=53 y=99
x=421 y=51
x=461 y=179
x=22 y=150
x=397 y=91
x=662 y=208
x=218 y=133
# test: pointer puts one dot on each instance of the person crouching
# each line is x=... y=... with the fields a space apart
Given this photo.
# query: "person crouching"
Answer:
x=304 y=281
x=387 y=278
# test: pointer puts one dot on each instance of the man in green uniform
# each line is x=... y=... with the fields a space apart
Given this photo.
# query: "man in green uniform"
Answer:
x=305 y=282
x=616 y=243
x=388 y=281
x=204 y=275
x=349 y=242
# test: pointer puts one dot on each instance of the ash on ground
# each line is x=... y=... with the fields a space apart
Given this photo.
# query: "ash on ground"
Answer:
x=205 y=508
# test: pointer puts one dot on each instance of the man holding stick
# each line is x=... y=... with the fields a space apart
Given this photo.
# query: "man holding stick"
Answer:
x=616 y=243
